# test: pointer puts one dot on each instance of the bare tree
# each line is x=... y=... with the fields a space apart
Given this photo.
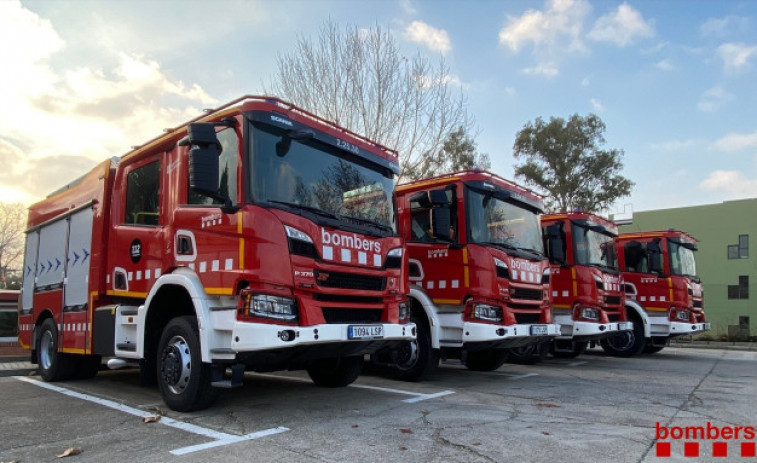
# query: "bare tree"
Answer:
x=359 y=79
x=12 y=225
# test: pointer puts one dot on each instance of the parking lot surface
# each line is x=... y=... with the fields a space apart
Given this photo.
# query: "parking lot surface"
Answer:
x=591 y=408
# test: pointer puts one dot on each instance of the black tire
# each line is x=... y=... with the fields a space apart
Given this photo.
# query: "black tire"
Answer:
x=183 y=380
x=417 y=359
x=528 y=355
x=486 y=360
x=53 y=365
x=628 y=344
x=87 y=366
x=579 y=347
x=335 y=372
x=652 y=349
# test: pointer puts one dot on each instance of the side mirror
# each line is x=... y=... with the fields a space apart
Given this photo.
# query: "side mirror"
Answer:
x=203 y=158
x=654 y=253
x=555 y=245
x=440 y=223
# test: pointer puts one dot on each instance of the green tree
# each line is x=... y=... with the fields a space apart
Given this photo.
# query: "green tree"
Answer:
x=359 y=79
x=458 y=152
x=564 y=160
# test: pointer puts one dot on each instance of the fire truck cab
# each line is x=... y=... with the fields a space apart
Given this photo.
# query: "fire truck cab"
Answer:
x=256 y=237
x=663 y=295
x=479 y=281
x=586 y=285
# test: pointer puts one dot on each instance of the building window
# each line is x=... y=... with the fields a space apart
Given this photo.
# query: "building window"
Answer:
x=741 y=250
x=740 y=291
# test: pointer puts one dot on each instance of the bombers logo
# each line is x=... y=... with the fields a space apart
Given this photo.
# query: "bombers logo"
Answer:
x=350 y=248
x=525 y=266
x=353 y=241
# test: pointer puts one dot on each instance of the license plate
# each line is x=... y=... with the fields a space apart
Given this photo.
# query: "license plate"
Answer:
x=539 y=330
x=365 y=332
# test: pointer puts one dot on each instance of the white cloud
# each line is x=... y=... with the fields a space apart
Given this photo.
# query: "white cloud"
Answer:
x=597 y=105
x=560 y=22
x=721 y=27
x=733 y=184
x=542 y=69
x=736 y=56
x=736 y=142
x=407 y=7
x=433 y=38
x=713 y=99
x=664 y=65
x=59 y=119
x=676 y=145
x=585 y=82
x=621 y=27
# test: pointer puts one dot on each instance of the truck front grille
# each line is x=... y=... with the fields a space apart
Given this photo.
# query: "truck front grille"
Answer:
x=528 y=294
x=349 y=281
x=612 y=300
x=526 y=318
x=339 y=315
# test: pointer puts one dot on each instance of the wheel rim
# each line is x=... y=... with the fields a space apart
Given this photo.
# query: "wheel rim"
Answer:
x=176 y=365
x=46 y=350
x=622 y=342
x=407 y=355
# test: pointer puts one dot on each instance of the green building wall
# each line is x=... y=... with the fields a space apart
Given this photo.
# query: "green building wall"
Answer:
x=716 y=226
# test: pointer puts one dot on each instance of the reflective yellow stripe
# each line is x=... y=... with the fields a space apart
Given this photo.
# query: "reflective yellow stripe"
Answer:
x=219 y=291
x=575 y=281
x=447 y=301
x=126 y=294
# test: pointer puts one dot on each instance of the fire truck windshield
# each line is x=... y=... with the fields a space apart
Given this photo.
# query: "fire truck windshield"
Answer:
x=593 y=245
x=310 y=175
x=493 y=220
x=682 y=260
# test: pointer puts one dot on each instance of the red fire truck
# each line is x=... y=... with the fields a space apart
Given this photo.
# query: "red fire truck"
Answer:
x=587 y=290
x=663 y=294
x=479 y=280
x=256 y=237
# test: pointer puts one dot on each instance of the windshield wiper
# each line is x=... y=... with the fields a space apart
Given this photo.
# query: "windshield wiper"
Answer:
x=498 y=244
x=535 y=251
x=366 y=222
x=314 y=210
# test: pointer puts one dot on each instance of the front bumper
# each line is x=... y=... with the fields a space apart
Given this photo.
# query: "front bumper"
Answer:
x=678 y=328
x=588 y=331
x=485 y=336
x=251 y=337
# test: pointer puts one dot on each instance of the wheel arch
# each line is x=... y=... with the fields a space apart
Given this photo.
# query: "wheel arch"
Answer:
x=422 y=304
x=173 y=295
x=636 y=312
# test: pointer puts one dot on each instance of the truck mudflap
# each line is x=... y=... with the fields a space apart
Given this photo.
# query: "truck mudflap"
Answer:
x=679 y=328
x=502 y=336
x=252 y=337
x=588 y=331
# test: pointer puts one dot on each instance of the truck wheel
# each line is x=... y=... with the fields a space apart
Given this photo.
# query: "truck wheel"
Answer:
x=626 y=344
x=486 y=360
x=88 y=366
x=335 y=372
x=528 y=355
x=650 y=349
x=416 y=359
x=183 y=380
x=579 y=347
x=53 y=365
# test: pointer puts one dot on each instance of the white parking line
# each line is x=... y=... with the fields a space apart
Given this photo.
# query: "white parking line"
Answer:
x=419 y=397
x=221 y=438
x=579 y=363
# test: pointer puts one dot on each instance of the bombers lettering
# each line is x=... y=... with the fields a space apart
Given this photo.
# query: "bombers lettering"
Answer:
x=527 y=266
x=353 y=241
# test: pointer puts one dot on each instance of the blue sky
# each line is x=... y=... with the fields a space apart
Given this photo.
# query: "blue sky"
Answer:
x=674 y=81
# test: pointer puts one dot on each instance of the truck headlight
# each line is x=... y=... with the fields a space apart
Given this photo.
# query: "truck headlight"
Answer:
x=267 y=306
x=683 y=315
x=487 y=312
